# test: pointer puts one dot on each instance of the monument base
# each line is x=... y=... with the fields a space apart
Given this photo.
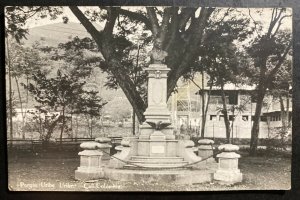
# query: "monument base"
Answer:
x=174 y=176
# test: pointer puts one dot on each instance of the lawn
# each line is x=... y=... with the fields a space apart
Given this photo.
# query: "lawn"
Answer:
x=55 y=172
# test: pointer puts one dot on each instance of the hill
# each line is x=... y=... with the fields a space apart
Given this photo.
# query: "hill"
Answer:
x=53 y=34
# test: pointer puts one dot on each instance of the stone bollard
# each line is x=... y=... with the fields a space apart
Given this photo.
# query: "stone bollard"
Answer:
x=104 y=146
x=228 y=172
x=90 y=162
x=205 y=149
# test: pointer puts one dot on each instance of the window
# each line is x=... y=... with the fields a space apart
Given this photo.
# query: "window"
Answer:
x=263 y=118
x=213 y=117
x=182 y=105
x=233 y=98
x=217 y=100
x=231 y=117
x=221 y=118
x=245 y=118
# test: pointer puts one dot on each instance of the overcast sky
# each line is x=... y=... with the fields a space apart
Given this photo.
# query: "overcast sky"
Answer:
x=265 y=17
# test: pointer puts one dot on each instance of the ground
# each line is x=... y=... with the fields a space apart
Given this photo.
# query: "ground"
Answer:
x=55 y=172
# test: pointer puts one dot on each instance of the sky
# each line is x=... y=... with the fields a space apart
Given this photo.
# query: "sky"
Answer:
x=265 y=17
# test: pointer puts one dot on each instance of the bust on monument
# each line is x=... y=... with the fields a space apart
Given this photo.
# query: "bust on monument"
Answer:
x=157 y=54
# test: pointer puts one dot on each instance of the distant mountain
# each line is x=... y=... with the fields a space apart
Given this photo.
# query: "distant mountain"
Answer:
x=53 y=34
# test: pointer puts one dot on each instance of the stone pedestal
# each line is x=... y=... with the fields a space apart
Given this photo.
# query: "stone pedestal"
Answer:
x=205 y=149
x=104 y=147
x=90 y=162
x=157 y=93
x=158 y=144
x=228 y=172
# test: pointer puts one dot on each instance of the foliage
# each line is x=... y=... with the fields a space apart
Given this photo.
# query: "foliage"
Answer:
x=63 y=94
x=130 y=34
x=17 y=16
x=269 y=52
x=43 y=121
x=27 y=60
x=14 y=102
x=279 y=139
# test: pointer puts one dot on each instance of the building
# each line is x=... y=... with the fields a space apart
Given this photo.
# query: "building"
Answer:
x=186 y=107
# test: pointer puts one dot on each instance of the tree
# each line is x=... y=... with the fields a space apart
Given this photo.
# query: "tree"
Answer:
x=269 y=50
x=280 y=89
x=170 y=35
x=23 y=62
x=90 y=105
x=172 y=31
x=44 y=122
x=221 y=59
x=60 y=94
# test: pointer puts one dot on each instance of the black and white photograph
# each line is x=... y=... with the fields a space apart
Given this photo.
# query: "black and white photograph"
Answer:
x=148 y=98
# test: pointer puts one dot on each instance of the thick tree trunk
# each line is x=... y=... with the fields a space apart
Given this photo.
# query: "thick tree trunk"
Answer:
x=160 y=32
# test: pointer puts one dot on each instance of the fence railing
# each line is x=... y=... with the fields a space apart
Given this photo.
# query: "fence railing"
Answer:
x=67 y=143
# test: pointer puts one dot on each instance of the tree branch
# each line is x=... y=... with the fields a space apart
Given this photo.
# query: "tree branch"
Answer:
x=280 y=61
x=153 y=19
x=136 y=16
x=174 y=28
x=184 y=16
x=279 y=24
x=87 y=24
x=255 y=23
x=189 y=50
x=112 y=13
x=164 y=25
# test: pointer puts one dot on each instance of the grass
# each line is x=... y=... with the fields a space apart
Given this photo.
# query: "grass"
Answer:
x=55 y=172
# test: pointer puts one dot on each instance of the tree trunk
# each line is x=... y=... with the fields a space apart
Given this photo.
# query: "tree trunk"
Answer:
x=203 y=105
x=256 y=121
x=76 y=135
x=283 y=115
x=21 y=105
x=63 y=125
x=91 y=134
x=288 y=111
x=10 y=96
x=225 y=113
x=133 y=122
x=205 y=112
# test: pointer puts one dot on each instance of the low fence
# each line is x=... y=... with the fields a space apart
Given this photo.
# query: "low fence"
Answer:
x=68 y=144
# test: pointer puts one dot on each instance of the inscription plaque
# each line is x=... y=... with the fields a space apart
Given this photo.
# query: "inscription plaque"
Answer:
x=158 y=149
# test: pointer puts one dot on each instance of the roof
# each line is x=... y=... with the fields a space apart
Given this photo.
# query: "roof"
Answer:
x=231 y=86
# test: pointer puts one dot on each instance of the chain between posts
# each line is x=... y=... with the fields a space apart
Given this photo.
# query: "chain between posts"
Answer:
x=189 y=165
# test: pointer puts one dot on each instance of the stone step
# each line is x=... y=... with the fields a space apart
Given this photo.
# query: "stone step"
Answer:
x=154 y=165
x=156 y=159
x=152 y=161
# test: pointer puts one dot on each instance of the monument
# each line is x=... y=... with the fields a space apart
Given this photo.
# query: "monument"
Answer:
x=155 y=154
x=155 y=147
